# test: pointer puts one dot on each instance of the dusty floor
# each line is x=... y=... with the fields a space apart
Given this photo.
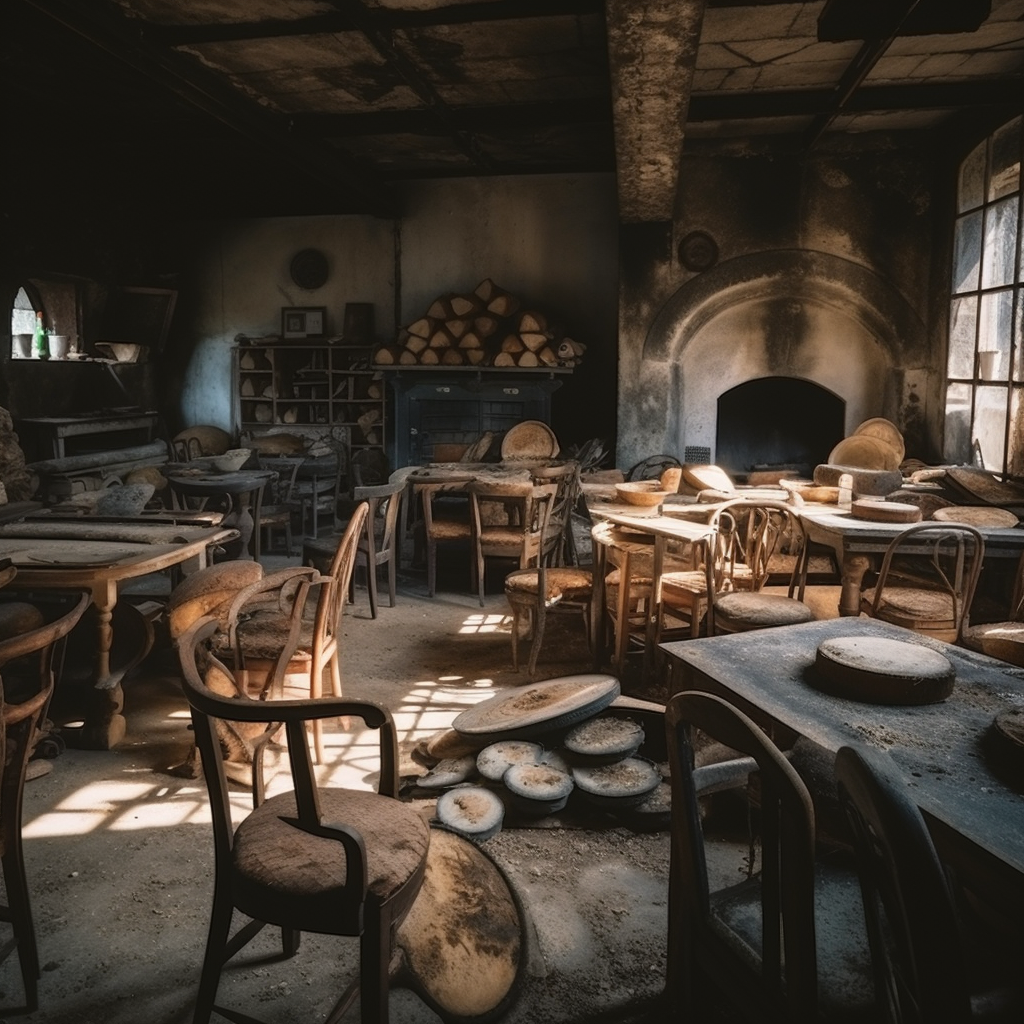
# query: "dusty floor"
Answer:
x=119 y=849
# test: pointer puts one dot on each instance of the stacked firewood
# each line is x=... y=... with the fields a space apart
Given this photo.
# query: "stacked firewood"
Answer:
x=486 y=327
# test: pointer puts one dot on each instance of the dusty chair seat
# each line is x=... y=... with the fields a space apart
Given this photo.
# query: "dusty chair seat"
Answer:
x=1002 y=640
x=740 y=611
x=904 y=606
x=565 y=588
x=275 y=862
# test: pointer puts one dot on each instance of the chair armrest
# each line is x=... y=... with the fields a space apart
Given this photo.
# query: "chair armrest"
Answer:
x=351 y=841
x=714 y=778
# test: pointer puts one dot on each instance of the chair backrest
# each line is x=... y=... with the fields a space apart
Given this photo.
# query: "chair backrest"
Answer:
x=331 y=601
x=197 y=663
x=558 y=546
x=280 y=490
x=762 y=529
x=945 y=557
x=384 y=502
x=507 y=515
x=786 y=818
x=916 y=952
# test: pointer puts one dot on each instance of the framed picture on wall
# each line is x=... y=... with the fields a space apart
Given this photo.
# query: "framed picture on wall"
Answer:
x=303 y=321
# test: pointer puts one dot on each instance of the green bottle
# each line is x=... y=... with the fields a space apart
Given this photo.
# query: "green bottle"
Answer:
x=39 y=342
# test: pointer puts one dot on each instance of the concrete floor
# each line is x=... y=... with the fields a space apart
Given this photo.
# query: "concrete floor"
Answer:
x=119 y=851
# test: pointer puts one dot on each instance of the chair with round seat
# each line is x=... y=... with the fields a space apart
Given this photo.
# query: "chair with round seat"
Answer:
x=927 y=579
x=536 y=593
x=319 y=858
x=445 y=523
x=1003 y=640
x=29 y=663
x=766 y=529
x=273 y=634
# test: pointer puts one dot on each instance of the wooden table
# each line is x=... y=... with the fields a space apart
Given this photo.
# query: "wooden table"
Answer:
x=99 y=558
x=975 y=815
x=621 y=537
x=859 y=544
x=59 y=428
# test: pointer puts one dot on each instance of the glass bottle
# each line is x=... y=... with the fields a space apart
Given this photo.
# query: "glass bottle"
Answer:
x=40 y=343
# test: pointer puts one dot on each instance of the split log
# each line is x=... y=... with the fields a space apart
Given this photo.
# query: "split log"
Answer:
x=466 y=305
x=503 y=304
x=485 y=325
x=429 y=357
x=504 y=359
x=387 y=355
x=452 y=357
x=471 y=340
x=457 y=327
x=486 y=290
x=422 y=328
x=441 y=307
x=512 y=344
x=528 y=358
x=534 y=340
x=533 y=320
x=547 y=356
x=407 y=358
x=475 y=356
x=441 y=338
x=414 y=343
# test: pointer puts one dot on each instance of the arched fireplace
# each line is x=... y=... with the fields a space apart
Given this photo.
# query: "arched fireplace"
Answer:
x=777 y=423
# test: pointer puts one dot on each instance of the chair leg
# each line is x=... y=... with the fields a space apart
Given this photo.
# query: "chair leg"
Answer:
x=392 y=575
x=431 y=566
x=371 y=585
x=20 y=911
x=216 y=945
x=539 y=616
x=374 y=966
x=515 y=636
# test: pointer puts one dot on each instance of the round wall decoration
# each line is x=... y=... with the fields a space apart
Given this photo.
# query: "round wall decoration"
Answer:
x=309 y=269
x=698 y=251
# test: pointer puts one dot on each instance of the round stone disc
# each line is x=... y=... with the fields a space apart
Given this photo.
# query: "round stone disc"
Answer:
x=879 y=670
x=604 y=739
x=625 y=783
x=472 y=811
x=462 y=943
x=540 y=707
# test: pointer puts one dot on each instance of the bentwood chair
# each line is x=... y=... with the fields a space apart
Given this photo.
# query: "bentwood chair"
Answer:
x=445 y=524
x=29 y=663
x=1004 y=639
x=783 y=941
x=273 y=633
x=918 y=951
x=559 y=545
x=509 y=521
x=927 y=579
x=316 y=859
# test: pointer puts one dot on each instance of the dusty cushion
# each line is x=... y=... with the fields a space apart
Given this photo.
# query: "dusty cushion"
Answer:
x=754 y=611
x=18 y=618
x=307 y=871
x=913 y=603
x=1002 y=640
x=264 y=634
x=210 y=590
x=566 y=582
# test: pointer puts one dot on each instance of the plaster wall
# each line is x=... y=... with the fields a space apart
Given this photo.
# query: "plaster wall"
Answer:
x=825 y=272
x=550 y=239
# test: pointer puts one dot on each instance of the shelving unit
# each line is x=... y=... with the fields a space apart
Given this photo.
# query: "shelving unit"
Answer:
x=310 y=387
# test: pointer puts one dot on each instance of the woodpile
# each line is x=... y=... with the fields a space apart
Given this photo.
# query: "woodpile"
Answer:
x=486 y=327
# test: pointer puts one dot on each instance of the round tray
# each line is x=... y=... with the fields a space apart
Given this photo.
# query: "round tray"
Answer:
x=879 y=670
x=880 y=511
x=540 y=707
x=531 y=439
x=885 y=430
x=976 y=515
x=865 y=452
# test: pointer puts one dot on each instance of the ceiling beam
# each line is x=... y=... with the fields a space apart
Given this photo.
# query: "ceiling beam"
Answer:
x=652 y=54
x=350 y=16
x=202 y=90
x=724 y=106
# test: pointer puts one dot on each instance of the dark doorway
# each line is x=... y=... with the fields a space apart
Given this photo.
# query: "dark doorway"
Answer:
x=777 y=423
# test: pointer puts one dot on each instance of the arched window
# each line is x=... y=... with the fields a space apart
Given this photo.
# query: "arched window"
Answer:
x=985 y=368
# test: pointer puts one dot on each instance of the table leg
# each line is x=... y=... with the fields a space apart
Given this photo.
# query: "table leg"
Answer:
x=853 y=570
x=104 y=726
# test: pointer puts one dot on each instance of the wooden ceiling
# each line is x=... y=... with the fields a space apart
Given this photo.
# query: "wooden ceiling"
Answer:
x=264 y=107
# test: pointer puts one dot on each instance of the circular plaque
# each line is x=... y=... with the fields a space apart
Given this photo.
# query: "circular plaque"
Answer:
x=698 y=251
x=309 y=269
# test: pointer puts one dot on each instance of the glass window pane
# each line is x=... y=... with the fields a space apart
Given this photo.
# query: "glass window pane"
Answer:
x=971 y=190
x=1015 y=454
x=1005 y=176
x=957 y=448
x=967 y=253
x=1000 y=243
x=1018 y=341
x=989 y=429
x=963 y=323
x=994 y=328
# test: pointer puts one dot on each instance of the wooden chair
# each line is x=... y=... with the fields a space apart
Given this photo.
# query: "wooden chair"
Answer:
x=279 y=504
x=28 y=666
x=754 y=942
x=318 y=495
x=317 y=859
x=272 y=634
x=737 y=603
x=559 y=545
x=918 y=955
x=1003 y=640
x=535 y=593
x=445 y=523
x=927 y=579
x=509 y=521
